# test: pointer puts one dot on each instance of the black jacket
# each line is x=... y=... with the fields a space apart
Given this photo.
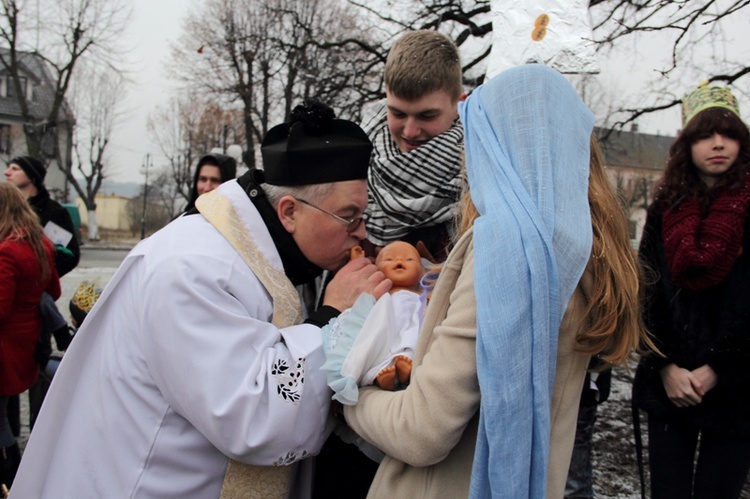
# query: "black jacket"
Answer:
x=693 y=328
x=49 y=210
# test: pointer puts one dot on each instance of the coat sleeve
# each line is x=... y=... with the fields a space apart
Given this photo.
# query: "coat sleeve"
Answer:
x=728 y=353
x=255 y=391
x=8 y=281
x=64 y=263
x=423 y=423
x=655 y=307
x=53 y=286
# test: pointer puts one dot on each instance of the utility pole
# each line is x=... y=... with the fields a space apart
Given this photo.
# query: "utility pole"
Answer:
x=144 y=170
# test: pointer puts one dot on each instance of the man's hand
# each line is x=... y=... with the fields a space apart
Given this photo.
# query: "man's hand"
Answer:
x=62 y=249
x=683 y=388
x=356 y=277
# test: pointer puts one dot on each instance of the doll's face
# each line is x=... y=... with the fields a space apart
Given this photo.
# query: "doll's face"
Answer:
x=400 y=263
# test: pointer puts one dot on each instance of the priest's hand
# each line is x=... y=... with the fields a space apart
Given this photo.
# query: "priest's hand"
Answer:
x=356 y=277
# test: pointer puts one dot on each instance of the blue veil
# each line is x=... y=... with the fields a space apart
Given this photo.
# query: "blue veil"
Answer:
x=527 y=160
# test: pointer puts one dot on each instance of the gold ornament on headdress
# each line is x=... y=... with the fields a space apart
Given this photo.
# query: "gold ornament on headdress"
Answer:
x=85 y=296
x=705 y=97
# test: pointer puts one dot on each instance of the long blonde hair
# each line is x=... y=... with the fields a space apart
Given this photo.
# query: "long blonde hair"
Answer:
x=612 y=326
x=18 y=221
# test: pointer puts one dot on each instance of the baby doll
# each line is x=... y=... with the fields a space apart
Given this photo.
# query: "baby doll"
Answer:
x=373 y=342
x=400 y=262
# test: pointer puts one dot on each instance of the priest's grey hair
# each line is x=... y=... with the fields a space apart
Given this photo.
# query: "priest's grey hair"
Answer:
x=314 y=193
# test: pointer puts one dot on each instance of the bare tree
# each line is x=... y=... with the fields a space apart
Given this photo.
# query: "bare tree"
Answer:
x=466 y=22
x=146 y=216
x=164 y=193
x=270 y=55
x=96 y=101
x=185 y=129
x=695 y=35
x=62 y=34
x=174 y=128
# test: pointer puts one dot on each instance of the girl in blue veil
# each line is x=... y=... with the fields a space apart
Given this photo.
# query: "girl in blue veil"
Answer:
x=528 y=155
x=542 y=253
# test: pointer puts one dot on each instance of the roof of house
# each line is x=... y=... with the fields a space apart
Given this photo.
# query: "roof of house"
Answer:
x=634 y=149
x=44 y=89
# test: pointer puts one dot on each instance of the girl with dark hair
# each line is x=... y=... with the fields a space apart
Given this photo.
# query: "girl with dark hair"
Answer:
x=213 y=170
x=27 y=269
x=696 y=249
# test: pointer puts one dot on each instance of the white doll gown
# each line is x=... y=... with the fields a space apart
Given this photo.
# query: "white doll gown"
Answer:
x=367 y=338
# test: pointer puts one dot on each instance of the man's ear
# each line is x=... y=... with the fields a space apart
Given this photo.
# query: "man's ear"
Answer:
x=461 y=98
x=287 y=212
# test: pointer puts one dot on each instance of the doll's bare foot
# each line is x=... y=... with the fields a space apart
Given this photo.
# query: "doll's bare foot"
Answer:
x=386 y=379
x=403 y=369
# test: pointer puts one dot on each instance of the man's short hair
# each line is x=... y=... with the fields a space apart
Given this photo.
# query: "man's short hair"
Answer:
x=421 y=62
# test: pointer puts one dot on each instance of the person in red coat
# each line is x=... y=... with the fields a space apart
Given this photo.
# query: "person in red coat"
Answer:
x=27 y=269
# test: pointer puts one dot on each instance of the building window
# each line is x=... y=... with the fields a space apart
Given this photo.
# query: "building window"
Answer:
x=5 y=139
x=11 y=88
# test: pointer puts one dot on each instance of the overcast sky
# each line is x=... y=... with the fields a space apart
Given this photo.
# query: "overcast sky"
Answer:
x=157 y=23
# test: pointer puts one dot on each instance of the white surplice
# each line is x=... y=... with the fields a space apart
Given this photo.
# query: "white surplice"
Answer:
x=176 y=369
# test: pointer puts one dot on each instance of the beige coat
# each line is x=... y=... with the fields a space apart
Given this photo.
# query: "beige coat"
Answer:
x=429 y=430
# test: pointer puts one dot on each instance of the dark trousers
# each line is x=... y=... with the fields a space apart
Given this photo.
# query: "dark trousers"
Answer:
x=7 y=437
x=13 y=412
x=720 y=470
x=341 y=470
x=580 y=482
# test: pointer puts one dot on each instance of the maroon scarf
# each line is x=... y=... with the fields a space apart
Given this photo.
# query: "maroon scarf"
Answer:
x=702 y=248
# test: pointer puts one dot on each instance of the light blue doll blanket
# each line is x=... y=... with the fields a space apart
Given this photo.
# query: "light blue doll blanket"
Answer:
x=366 y=339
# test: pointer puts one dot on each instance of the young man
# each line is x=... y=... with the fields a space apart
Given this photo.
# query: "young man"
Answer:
x=413 y=187
x=27 y=173
x=414 y=179
x=213 y=170
x=196 y=357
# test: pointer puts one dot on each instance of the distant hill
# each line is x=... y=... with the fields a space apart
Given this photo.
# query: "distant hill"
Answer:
x=124 y=189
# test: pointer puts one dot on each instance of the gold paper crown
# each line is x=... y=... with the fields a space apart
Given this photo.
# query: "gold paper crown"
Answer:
x=705 y=97
x=86 y=295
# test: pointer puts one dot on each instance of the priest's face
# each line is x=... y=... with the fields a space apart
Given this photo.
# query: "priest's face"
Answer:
x=327 y=230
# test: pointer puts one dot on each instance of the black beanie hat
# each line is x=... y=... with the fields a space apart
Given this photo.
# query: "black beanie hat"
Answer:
x=315 y=148
x=33 y=168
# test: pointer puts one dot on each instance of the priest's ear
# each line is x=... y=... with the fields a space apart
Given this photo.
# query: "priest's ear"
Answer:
x=287 y=210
